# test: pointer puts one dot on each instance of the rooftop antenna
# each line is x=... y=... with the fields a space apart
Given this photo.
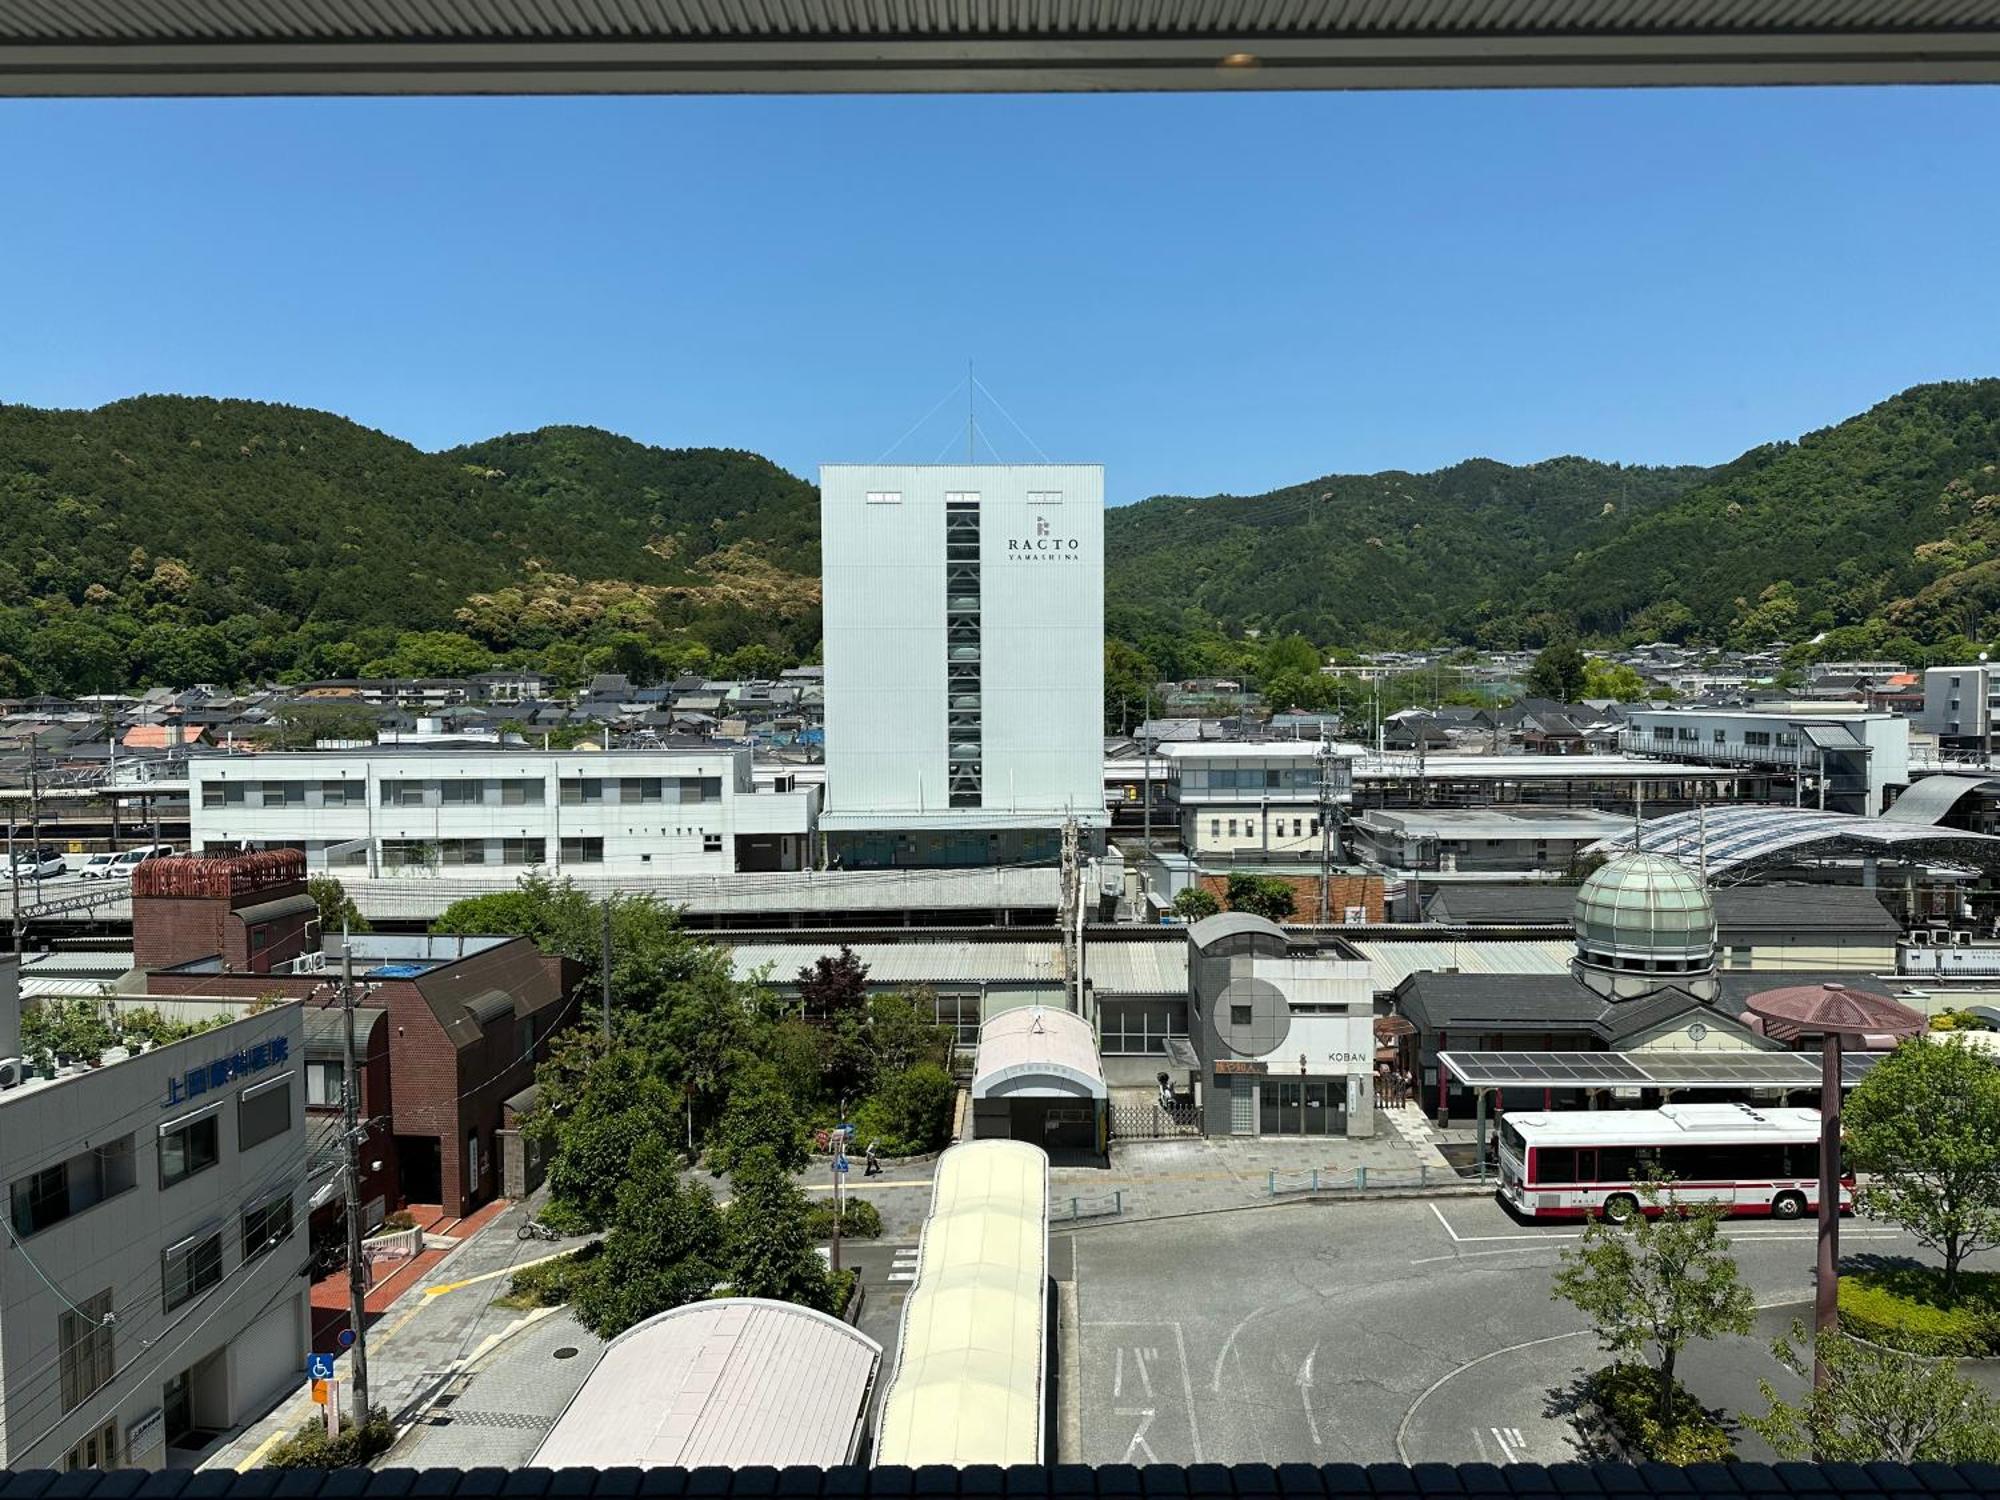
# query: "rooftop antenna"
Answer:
x=968 y=412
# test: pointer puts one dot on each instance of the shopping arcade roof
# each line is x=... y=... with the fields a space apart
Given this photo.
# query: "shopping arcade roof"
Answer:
x=79 y=47
x=1739 y=838
x=1650 y=1070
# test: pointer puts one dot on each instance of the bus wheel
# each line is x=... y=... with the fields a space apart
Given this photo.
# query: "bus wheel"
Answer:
x=1620 y=1207
x=1788 y=1206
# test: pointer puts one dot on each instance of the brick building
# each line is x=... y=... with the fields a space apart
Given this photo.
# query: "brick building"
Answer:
x=447 y=1029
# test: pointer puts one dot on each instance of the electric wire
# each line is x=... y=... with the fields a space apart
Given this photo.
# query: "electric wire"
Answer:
x=956 y=387
x=982 y=385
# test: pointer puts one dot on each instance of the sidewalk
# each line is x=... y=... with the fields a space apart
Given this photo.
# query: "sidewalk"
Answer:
x=436 y=1315
x=1164 y=1179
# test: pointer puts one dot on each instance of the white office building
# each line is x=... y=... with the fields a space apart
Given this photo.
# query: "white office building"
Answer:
x=1841 y=761
x=964 y=630
x=151 y=1293
x=475 y=814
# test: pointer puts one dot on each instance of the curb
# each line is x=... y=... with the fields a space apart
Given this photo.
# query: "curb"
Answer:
x=1325 y=1199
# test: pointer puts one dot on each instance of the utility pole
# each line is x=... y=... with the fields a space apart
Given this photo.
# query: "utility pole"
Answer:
x=1072 y=916
x=1327 y=809
x=605 y=965
x=350 y=1094
x=1146 y=811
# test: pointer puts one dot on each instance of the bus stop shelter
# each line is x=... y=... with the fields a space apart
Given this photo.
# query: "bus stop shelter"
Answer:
x=1666 y=1073
x=1038 y=1078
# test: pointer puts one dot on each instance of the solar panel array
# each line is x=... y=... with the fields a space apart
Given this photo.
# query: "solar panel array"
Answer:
x=1649 y=1070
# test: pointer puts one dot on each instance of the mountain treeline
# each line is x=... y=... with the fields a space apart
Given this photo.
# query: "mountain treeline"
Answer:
x=173 y=540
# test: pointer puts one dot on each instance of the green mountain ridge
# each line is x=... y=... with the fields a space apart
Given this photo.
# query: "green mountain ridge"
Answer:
x=174 y=539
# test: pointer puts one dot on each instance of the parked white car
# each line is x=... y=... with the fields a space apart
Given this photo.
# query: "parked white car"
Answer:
x=128 y=860
x=39 y=864
x=97 y=866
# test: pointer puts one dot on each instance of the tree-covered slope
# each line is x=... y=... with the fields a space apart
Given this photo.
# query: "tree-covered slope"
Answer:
x=1796 y=537
x=172 y=538
x=1378 y=557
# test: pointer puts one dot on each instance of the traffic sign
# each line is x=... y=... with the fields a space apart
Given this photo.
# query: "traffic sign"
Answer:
x=319 y=1366
x=347 y=1338
x=840 y=1164
x=319 y=1392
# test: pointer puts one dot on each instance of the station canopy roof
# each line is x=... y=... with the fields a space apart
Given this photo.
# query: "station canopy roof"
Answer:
x=1737 y=839
x=78 y=47
x=1650 y=1070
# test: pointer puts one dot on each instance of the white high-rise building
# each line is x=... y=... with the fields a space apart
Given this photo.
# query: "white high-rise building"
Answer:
x=964 y=630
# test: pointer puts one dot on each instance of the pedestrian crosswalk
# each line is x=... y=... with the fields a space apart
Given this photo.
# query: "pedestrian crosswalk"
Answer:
x=905 y=1268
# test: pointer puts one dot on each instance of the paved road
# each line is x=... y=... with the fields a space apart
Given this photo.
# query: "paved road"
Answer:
x=1369 y=1331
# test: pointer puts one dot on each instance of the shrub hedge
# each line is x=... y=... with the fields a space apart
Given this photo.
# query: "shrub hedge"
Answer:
x=551 y=1283
x=1628 y=1394
x=1904 y=1307
x=311 y=1448
x=859 y=1220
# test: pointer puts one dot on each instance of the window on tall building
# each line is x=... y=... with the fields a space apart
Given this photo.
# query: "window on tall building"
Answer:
x=190 y=1147
x=323 y=1082
x=583 y=851
x=581 y=791
x=190 y=1268
x=267 y=1225
x=885 y=497
x=523 y=851
x=68 y=1187
x=84 y=1333
x=263 y=1112
x=711 y=843
x=462 y=791
x=521 y=792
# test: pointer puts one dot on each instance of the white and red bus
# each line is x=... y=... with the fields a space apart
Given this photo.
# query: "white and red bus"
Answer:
x=1750 y=1159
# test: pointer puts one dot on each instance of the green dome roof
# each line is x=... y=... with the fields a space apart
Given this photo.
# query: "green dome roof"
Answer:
x=1646 y=912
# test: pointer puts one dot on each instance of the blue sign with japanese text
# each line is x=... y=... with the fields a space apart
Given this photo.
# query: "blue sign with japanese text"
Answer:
x=217 y=1074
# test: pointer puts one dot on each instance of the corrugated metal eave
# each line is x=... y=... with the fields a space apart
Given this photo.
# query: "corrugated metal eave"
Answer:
x=210 y=21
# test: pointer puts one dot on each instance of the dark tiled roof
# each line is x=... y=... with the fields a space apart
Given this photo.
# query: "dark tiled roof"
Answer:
x=462 y=994
x=1797 y=908
x=1572 y=1481
x=1546 y=1002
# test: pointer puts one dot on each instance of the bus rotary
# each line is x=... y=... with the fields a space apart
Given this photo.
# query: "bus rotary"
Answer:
x=1746 y=1159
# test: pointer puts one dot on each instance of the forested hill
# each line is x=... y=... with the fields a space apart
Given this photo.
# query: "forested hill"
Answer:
x=174 y=539
x=1882 y=531
x=1884 y=524
x=1375 y=557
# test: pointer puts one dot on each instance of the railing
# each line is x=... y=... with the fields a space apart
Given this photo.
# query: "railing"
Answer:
x=1099 y=1206
x=1155 y=1122
x=1363 y=1180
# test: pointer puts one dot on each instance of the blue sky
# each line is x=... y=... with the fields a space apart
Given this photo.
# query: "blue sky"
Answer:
x=1203 y=293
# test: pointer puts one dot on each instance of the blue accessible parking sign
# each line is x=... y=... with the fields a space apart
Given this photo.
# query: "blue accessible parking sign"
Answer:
x=319 y=1367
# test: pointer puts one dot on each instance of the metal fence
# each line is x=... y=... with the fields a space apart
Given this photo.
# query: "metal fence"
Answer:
x=1363 y=1179
x=1067 y=1210
x=1155 y=1122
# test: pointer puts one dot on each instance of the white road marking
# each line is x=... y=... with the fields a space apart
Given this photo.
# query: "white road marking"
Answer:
x=1431 y=1260
x=1511 y=1450
x=1138 y=1443
x=1740 y=1234
x=1215 y=1382
x=1187 y=1388
x=902 y=1275
x=1139 y=1358
x=1305 y=1383
x=1118 y=1374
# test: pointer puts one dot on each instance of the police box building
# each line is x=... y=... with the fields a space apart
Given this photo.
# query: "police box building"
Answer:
x=964 y=630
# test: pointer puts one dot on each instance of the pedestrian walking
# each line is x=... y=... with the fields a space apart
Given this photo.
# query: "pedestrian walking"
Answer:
x=874 y=1165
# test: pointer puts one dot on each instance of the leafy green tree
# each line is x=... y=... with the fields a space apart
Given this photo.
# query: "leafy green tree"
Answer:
x=1128 y=687
x=621 y=1106
x=1558 y=673
x=665 y=1247
x=833 y=987
x=770 y=1245
x=1877 y=1405
x=1603 y=679
x=337 y=910
x=903 y=1031
x=1290 y=656
x=73 y=656
x=1655 y=1281
x=1195 y=902
x=1926 y=1122
x=759 y=1116
x=1260 y=895
x=910 y=1110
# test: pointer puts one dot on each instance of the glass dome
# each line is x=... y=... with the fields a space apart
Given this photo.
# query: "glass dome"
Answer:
x=1645 y=913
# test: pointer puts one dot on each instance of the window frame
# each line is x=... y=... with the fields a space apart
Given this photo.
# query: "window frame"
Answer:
x=210 y=1116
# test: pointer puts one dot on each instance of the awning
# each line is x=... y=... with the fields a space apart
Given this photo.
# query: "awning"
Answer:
x=1035 y=1052
x=1831 y=737
x=326 y=1030
x=286 y=906
x=1650 y=1070
x=490 y=1006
